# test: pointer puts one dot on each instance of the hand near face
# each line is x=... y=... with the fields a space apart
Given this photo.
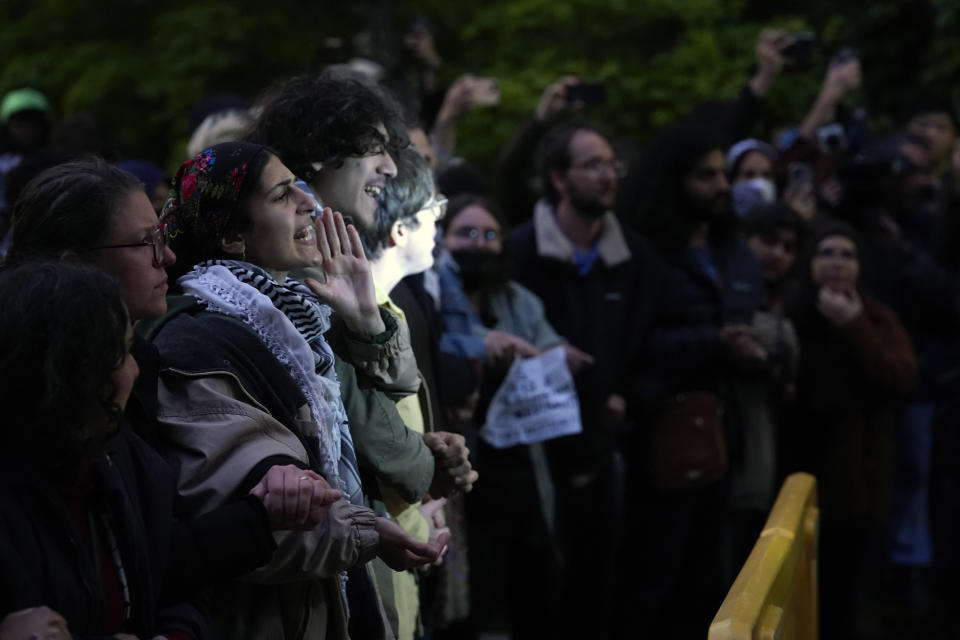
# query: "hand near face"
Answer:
x=35 y=622
x=452 y=468
x=295 y=498
x=839 y=307
x=401 y=552
x=349 y=284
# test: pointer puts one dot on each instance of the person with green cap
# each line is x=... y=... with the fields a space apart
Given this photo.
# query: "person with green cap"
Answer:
x=24 y=127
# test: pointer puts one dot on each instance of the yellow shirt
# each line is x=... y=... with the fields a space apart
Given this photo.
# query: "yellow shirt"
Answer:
x=406 y=592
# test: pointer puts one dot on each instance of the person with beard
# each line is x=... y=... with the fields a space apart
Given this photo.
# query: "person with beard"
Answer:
x=340 y=136
x=598 y=283
x=891 y=198
x=703 y=341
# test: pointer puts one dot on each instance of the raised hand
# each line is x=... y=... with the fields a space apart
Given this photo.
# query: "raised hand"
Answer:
x=348 y=286
x=842 y=78
x=295 y=498
x=769 y=58
x=554 y=98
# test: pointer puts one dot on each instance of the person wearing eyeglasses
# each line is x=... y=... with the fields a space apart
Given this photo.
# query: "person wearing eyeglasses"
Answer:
x=484 y=306
x=597 y=281
x=90 y=212
x=400 y=243
x=69 y=212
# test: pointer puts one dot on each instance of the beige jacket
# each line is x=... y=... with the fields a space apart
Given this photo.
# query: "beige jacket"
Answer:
x=216 y=435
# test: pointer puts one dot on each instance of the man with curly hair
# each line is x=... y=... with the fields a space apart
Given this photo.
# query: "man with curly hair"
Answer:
x=341 y=135
x=338 y=134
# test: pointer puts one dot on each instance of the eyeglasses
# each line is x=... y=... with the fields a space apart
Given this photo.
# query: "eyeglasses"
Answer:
x=596 y=165
x=438 y=207
x=158 y=240
x=473 y=233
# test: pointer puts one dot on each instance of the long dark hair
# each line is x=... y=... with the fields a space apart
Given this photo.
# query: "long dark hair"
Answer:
x=661 y=199
x=327 y=119
x=62 y=334
x=70 y=206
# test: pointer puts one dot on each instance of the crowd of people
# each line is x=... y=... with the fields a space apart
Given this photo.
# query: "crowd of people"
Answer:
x=255 y=398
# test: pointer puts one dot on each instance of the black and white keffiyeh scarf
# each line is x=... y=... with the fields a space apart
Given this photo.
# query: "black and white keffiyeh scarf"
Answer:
x=291 y=322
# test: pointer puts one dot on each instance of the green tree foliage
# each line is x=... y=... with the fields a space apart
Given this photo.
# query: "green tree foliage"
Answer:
x=139 y=67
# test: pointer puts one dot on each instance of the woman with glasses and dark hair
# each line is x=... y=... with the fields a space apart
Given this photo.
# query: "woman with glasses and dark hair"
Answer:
x=91 y=212
x=87 y=528
x=101 y=215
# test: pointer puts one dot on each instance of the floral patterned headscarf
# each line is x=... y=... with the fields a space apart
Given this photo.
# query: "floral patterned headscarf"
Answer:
x=206 y=191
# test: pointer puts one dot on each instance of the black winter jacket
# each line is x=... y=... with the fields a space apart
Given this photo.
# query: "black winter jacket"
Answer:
x=44 y=562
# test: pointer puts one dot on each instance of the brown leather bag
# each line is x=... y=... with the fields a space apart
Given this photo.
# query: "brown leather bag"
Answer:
x=687 y=448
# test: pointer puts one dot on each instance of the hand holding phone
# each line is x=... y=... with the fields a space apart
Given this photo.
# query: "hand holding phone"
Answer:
x=484 y=92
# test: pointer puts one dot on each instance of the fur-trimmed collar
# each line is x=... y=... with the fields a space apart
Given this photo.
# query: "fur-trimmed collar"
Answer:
x=552 y=243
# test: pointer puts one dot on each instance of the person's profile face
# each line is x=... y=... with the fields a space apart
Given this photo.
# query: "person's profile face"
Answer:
x=143 y=280
x=282 y=236
x=354 y=188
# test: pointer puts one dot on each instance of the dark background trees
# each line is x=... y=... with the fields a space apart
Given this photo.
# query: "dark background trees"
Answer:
x=137 y=67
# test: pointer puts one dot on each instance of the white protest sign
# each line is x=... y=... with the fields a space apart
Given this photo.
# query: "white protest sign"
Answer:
x=537 y=401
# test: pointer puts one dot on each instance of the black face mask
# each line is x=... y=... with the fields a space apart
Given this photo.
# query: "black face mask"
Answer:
x=481 y=269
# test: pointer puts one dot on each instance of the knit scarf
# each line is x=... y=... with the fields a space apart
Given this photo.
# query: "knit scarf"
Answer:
x=291 y=322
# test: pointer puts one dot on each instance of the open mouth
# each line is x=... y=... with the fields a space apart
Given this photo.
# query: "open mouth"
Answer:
x=373 y=190
x=306 y=234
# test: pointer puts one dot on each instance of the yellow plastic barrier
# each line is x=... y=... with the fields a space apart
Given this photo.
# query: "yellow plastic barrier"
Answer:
x=775 y=595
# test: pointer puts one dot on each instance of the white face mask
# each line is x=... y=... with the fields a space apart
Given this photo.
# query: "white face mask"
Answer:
x=752 y=193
